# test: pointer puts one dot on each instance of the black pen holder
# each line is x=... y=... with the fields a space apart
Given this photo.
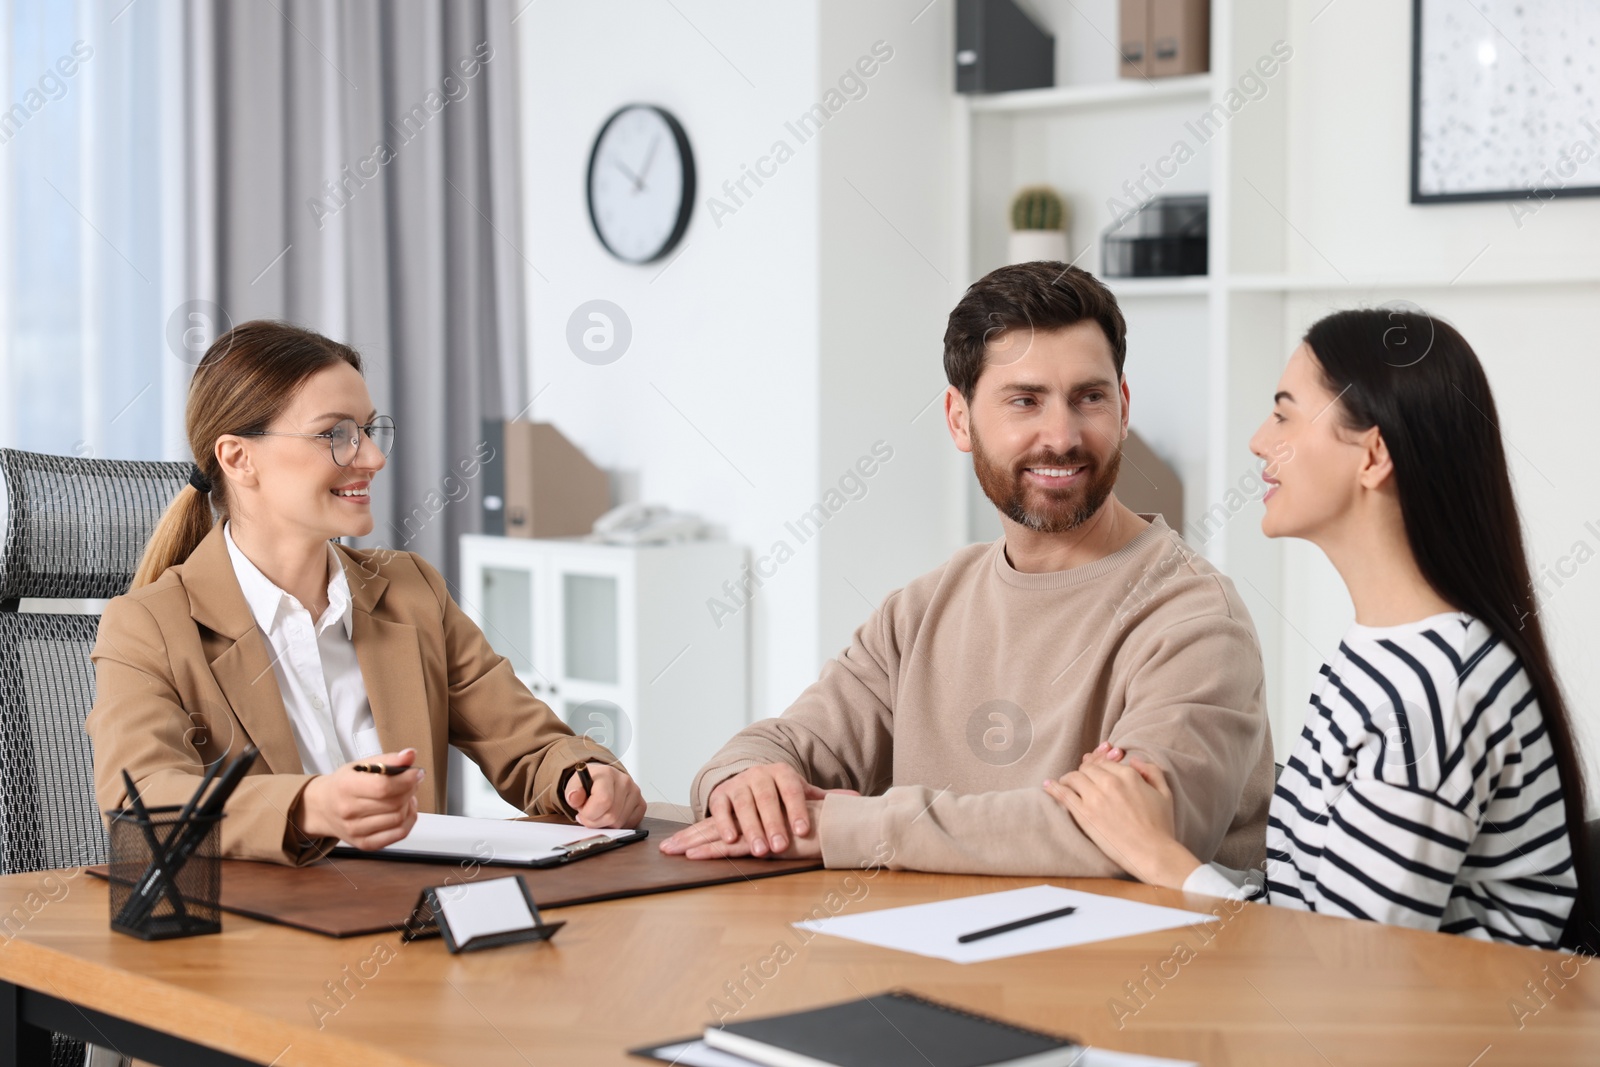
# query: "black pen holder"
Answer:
x=153 y=897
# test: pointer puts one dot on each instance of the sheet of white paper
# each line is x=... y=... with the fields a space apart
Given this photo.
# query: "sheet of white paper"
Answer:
x=490 y=840
x=931 y=929
x=476 y=909
x=699 y=1054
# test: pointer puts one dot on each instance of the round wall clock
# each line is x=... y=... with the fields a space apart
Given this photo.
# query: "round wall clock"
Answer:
x=641 y=183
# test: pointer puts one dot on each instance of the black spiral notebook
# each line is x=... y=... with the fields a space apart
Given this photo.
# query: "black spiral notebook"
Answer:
x=890 y=1030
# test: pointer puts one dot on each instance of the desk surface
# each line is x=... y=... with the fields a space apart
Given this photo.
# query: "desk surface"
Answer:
x=1270 y=987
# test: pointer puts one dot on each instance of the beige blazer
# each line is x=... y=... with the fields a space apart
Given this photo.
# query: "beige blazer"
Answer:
x=183 y=678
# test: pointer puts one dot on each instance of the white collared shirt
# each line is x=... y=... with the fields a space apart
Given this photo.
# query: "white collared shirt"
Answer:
x=315 y=664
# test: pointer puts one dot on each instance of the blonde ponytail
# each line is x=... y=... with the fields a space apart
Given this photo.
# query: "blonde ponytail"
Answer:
x=246 y=378
x=179 y=532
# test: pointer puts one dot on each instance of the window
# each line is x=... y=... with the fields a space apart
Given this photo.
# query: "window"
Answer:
x=82 y=347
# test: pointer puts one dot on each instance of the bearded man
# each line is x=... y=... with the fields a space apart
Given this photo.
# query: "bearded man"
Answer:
x=1085 y=629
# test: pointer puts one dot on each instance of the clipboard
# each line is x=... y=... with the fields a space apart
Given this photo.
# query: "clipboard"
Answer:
x=494 y=842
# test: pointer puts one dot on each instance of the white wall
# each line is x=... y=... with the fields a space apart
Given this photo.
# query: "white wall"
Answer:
x=889 y=277
x=1086 y=32
x=714 y=406
x=1539 y=339
x=781 y=344
x=1350 y=152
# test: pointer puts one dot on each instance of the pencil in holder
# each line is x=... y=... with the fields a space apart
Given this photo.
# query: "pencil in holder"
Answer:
x=166 y=874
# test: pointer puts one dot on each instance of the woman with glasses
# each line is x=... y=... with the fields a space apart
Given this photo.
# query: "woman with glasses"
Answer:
x=255 y=627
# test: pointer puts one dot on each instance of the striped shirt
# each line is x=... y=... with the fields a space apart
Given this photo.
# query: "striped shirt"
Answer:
x=1423 y=791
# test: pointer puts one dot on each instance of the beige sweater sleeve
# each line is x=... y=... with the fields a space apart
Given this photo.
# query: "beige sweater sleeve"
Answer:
x=1193 y=707
x=839 y=734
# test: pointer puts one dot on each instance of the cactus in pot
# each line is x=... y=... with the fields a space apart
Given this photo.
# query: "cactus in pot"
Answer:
x=1039 y=221
x=1037 y=207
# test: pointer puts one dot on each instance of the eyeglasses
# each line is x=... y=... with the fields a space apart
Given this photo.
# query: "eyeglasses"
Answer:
x=344 y=439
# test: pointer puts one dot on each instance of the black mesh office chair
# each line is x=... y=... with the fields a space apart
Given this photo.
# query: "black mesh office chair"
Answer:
x=74 y=529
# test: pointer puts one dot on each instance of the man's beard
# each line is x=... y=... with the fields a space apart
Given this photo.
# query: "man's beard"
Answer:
x=1062 y=509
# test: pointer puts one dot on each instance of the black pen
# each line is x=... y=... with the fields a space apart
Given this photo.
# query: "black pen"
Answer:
x=1006 y=928
x=194 y=800
x=147 y=826
x=379 y=768
x=135 y=801
x=586 y=781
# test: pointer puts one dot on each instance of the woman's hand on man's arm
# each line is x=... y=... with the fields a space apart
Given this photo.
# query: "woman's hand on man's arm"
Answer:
x=1124 y=805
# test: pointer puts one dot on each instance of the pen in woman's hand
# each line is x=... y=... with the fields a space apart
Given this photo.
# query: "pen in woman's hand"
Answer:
x=379 y=768
x=376 y=765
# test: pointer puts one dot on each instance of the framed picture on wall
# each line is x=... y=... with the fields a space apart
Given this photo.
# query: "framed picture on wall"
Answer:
x=1505 y=100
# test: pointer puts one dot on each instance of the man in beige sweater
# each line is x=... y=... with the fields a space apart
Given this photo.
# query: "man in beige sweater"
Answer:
x=924 y=744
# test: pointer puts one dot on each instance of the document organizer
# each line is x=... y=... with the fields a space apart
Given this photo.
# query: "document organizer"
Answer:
x=474 y=915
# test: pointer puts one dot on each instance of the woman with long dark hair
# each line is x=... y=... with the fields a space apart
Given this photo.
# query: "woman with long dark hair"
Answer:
x=247 y=624
x=1436 y=782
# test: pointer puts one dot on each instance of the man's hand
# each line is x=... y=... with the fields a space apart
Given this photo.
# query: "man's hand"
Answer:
x=765 y=811
x=764 y=806
x=1125 y=808
x=365 y=810
x=704 y=840
x=616 y=801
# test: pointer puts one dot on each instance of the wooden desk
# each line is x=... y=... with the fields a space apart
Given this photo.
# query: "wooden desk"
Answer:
x=1271 y=987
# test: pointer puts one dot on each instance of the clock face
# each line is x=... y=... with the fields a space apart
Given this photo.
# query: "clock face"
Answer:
x=641 y=183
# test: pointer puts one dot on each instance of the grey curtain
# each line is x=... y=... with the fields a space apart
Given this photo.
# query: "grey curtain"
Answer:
x=353 y=166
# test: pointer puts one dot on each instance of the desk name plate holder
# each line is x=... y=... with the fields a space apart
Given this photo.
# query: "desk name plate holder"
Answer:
x=431 y=918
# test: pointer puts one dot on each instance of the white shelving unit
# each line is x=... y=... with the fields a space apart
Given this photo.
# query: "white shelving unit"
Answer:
x=1203 y=352
x=1290 y=283
x=619 y=641
x=1106 y=94
x=1134 y=288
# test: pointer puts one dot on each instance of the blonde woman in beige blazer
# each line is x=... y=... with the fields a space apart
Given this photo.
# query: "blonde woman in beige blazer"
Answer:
x=254 y=628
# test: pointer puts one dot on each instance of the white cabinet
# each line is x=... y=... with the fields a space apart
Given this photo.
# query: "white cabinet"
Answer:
x=621 y=643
